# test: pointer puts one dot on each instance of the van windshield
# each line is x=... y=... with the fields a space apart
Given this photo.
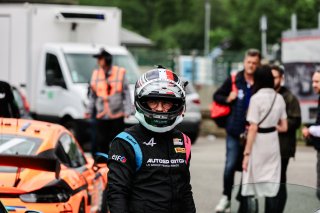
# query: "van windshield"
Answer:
x=82 y=65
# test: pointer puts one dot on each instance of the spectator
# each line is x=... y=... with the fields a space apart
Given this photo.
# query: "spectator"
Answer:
x=313 y=132
x=109 y=100
x=8 y=106
x=149 y=162
x=262 y=160
x=236 y=122
x=287 y=139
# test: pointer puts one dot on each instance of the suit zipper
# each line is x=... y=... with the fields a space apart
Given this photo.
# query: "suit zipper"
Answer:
x=170 y=175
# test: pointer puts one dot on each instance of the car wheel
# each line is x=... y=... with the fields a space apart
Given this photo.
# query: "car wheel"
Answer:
x=82 y=208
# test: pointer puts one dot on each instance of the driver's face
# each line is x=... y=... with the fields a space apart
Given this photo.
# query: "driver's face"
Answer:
x=159 y=105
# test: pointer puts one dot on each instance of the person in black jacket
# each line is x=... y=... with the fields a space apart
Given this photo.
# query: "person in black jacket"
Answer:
x=8 y=106
x=287 y=140
x=313 y=132
x=236 y=121
x=149 y=162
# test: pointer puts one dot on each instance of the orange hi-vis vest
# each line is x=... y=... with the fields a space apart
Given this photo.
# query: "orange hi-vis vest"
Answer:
x=108 y=92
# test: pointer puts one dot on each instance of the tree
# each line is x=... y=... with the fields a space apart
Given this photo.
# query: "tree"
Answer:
x=180 y=23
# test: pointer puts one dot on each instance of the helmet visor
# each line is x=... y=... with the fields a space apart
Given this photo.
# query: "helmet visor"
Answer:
x=168 y=104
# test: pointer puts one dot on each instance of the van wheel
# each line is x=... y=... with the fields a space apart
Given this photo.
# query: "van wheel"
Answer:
x=82 y=208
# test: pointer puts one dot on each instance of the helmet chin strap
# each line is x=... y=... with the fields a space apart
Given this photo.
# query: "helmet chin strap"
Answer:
x=141 y=119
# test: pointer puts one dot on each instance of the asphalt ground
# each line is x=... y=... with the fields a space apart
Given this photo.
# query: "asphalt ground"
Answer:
x=207 y=164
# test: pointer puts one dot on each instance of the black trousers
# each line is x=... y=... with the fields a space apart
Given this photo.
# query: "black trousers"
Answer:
x=318 y=174
x=249 y=204
x=282 y=194
x=106 y=131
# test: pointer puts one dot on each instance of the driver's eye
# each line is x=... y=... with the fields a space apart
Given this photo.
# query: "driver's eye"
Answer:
x=155 y=103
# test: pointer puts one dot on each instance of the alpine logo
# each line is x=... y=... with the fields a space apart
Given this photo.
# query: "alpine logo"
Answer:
x=150 y=143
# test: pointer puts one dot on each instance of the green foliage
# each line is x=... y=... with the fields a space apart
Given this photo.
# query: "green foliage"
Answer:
x=182 y=34
x=219 y=35
x=180 y=23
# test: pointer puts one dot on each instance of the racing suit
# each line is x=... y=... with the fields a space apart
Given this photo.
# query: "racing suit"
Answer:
x=160 y=185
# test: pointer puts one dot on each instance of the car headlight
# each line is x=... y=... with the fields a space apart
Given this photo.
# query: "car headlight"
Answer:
x=58 y=193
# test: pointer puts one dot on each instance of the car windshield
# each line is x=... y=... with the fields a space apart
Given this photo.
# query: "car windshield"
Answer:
x=17 y=145
x=17 y=98
x=81 y=66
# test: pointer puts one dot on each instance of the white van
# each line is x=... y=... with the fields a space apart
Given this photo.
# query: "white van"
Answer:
x=46 y=51
x=63 y=83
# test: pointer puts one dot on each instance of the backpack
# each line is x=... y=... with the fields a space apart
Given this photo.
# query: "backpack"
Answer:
x=218 y=112
x=137 y=150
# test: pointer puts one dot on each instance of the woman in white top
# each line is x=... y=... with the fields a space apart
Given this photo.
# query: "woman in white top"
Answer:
x=262 y=161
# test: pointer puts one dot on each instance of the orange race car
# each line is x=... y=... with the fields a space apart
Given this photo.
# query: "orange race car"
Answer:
x=42 y=167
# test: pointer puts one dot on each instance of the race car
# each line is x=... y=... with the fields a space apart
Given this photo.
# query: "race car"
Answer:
x=43 y=168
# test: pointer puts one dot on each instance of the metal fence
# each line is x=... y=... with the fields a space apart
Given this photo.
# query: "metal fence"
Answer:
x=190 y=64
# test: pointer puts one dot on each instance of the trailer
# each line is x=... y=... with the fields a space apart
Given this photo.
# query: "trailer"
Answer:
x=300 y=55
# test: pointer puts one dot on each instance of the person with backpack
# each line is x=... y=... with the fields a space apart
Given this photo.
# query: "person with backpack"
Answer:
x=149 y=162
x=236 y=120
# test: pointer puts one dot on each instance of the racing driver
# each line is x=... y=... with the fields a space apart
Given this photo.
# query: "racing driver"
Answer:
x=149 y=162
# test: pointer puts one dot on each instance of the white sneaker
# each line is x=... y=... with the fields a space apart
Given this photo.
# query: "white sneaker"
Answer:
x=223 y=205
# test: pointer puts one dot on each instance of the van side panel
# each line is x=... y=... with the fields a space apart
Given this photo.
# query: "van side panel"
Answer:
x=13 y=51
x=5 y=47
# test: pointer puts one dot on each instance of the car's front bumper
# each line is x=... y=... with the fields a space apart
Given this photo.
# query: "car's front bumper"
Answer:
x=41 y=207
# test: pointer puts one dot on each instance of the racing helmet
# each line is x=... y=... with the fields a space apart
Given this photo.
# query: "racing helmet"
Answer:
x=159 y=84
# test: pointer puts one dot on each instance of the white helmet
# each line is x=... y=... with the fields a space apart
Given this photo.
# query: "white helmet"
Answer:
x=160 y=84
